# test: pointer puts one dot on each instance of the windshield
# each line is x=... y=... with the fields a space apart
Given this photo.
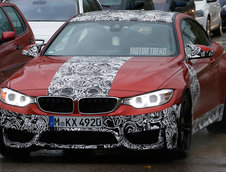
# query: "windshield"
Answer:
x=162 y=4
x=49 y=10
x=114 y=39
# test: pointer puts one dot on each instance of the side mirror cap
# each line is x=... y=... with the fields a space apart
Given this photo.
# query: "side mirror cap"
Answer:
x=8 y=36
x=31 y=50
x=198 y=52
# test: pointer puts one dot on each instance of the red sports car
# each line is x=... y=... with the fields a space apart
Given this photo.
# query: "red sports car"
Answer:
x=139 y=80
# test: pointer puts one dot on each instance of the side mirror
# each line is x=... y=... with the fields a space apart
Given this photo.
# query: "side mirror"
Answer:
x=31 y=50
x=8 y=36
x=180 y=4
x=197 y=52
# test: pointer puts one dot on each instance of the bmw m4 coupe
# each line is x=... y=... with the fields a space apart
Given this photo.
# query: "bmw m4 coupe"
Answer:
x=139 y=80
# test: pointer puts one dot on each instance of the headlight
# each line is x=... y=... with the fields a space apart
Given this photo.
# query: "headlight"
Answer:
x=150 y=99
x=199 y=13
x=223 y=8
x=14 y=98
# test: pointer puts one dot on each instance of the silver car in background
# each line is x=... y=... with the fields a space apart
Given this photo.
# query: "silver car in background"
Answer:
x=46 y=16
x=208 y=14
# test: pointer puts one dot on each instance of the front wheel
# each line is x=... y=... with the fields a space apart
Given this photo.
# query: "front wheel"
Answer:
x=184 y=128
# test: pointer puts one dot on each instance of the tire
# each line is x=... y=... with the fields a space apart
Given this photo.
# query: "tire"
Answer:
x=208 y=27
x=218 y=31
x=184 y=128
x=12 y=153
x=219 y=127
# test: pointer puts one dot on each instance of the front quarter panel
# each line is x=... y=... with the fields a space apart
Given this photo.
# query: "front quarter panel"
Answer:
x=222 y=71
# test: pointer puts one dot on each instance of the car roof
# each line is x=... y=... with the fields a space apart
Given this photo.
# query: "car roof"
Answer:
x=6 y=4
x=126 y=15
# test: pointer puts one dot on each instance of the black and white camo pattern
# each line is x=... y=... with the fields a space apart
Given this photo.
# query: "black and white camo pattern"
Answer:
x=29 y=123
x=193 y=51
x=32 y=51
x=210 y=117
x=194 y=85
x=163 y=121
x=82 y=77
x=117 y=15
x=171 y=115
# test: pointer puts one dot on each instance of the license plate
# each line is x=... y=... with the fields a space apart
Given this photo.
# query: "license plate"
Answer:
x=75 y=122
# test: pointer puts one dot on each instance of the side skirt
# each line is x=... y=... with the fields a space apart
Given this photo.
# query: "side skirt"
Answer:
x=208 y=118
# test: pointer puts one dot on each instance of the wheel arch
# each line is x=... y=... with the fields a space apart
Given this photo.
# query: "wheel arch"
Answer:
x=188 y=92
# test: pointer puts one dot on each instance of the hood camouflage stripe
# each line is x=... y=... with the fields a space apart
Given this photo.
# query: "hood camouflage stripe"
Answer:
x=86 y=77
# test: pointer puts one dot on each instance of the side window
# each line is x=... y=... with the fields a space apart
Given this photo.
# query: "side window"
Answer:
x=4 y=23
x=91 y=5
x=17 y=20
x=192 y=33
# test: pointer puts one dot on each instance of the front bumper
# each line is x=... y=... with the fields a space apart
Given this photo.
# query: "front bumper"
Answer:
x=138 y=132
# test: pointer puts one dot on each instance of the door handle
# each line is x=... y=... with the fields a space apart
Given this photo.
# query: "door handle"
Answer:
x=18 y=47
x=211 y=61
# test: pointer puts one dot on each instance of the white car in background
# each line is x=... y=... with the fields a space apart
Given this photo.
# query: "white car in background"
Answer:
x=46 y=16
x=208 y=14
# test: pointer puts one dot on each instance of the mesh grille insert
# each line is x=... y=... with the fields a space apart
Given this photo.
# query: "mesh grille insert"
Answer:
x=97 y=105
x=62 y=105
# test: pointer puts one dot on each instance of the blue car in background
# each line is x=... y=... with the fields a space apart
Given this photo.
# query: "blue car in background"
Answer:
x=223 y=13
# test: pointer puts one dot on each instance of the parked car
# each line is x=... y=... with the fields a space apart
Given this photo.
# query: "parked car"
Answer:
x=223 y=12
x=183 y=6
x=44 y=16
x=15 y=35
x=208 y=14
x=138 y=79
x=127 y=4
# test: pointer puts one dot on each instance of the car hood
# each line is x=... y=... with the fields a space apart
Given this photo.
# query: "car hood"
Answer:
x=94 y=76
x=44 y=29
